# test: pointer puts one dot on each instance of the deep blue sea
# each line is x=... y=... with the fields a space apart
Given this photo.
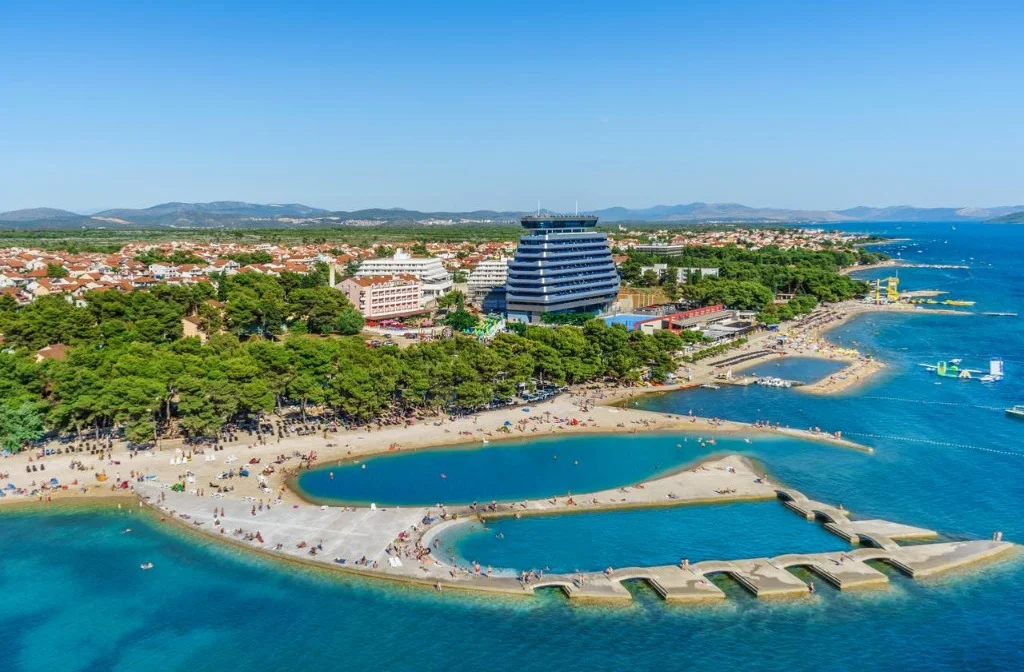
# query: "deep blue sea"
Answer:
x=946 y=457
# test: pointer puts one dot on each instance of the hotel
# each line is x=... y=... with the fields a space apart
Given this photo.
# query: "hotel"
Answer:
x=486 y=285
x=561 y=265
x=384 y=296
x=435 y=280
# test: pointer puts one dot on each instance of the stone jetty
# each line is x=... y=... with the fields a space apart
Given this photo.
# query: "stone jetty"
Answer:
x=391 y=542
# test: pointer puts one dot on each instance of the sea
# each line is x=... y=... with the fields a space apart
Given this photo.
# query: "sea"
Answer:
x=946 y=457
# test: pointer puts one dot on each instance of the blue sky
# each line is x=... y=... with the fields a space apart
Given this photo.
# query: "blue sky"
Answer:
x=445 y=105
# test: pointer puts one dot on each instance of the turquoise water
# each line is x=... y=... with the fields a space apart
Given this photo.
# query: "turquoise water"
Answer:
x=71 y=596
x=801 y=369
x=593 y=541
x=507 y=470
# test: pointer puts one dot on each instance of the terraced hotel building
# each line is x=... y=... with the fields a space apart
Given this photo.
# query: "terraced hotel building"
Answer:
x=561 y=265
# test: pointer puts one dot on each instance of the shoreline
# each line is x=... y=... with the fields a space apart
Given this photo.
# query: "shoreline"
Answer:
x=597 y=408
x=917 y=560
x=423 y=569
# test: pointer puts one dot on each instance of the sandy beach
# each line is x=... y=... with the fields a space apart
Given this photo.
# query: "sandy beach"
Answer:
x=583 y=410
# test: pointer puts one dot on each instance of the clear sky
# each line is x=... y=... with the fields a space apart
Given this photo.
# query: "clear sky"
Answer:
x=486 y=104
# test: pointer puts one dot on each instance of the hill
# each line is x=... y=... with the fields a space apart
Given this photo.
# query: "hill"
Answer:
x=1012 y=218
x=240 y=215
x=908 y=213
x=36 y=214
x=703 y=212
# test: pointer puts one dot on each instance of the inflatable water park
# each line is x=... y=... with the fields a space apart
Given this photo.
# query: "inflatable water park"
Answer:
x=954 y=369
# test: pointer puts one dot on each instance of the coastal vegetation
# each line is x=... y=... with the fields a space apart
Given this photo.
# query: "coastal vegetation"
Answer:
x=752 y=279
x=274 y=342
x=714 y=350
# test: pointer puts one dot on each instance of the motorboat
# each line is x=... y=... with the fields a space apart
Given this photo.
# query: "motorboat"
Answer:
x=774 y=382
x=1016 y=411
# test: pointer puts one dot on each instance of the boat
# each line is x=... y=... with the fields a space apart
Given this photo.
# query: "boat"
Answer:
x=774 y=382
x=999 y=314
x=953 y=302
x=1016 y=411
x=709 y=386
x=148 y=565
x=995 y=371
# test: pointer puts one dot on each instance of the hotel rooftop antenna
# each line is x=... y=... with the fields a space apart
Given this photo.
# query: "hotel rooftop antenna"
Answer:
x=538 y=207
x=577 y=208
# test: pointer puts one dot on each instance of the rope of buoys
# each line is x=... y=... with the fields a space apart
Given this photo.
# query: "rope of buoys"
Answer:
x=934 y=403
x=935 y=443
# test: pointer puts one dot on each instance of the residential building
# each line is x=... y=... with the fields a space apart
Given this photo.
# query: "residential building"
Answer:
x=57 y=351
x=192 y=326
x=682 y=274
x=430 y=272
x=561 y=265
x=663 y=249
x=486 y=284
x=380 y=297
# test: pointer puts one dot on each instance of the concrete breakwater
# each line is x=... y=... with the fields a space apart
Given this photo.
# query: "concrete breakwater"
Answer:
x=394 y=543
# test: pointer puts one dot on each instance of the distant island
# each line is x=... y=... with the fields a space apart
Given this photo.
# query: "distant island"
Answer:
x=237 y=214
x=1012 y=218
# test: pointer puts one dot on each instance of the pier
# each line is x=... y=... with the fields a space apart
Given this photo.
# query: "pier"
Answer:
x=382 y=541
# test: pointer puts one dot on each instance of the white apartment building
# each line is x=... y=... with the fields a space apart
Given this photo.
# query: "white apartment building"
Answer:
x=488 y=274
x=681 y=273
x=485 y=287
x=380 y=297
x=433 y=277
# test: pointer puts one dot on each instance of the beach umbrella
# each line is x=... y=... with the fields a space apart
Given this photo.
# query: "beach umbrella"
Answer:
x=508 y=423
x=53 y=481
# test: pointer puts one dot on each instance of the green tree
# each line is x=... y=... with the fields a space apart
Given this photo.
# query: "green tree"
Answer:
x=56 y=271
x=461 y=320
x=19 y=425
x=350 y=322
x=453 y=299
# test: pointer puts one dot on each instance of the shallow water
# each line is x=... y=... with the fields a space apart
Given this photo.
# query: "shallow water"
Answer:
x=799 y=369
x=513 y=470
x=72 y=596
x=593 y=541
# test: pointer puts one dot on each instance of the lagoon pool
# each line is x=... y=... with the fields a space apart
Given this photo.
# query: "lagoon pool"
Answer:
x=507 y=470
x=641 y=537
x=803 y=369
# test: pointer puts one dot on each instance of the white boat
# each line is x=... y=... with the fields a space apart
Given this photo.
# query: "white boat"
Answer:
x=774 y=382
x=709 y=386
x=1016 y=411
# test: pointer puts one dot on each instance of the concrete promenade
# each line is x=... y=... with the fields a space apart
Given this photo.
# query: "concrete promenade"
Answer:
x=394 y=542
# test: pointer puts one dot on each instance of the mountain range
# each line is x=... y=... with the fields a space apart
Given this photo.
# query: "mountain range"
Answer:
x=237 y=214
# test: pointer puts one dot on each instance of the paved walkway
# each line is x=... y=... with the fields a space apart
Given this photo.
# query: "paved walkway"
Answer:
x=393 y=542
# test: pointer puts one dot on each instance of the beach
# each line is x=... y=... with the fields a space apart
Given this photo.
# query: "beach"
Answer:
x=581 y=410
